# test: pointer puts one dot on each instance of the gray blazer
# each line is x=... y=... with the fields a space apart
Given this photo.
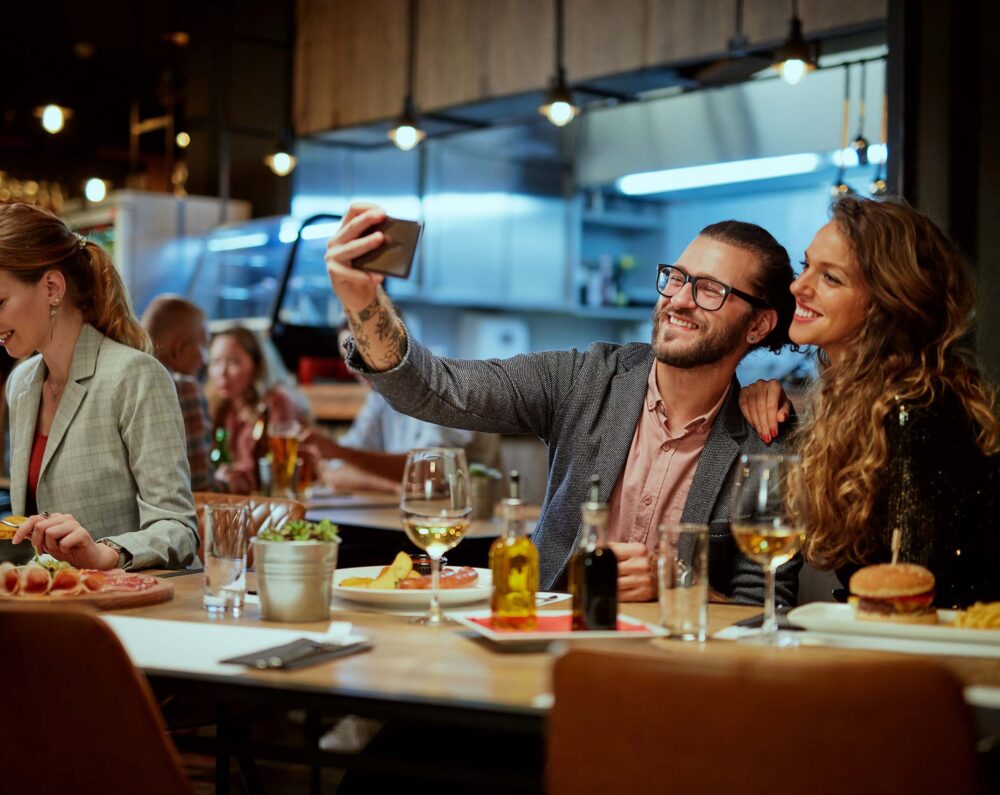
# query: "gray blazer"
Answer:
x=585 y=407
x=116 y=457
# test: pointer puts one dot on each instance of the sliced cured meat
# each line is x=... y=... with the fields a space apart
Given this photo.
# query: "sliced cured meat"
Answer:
x=10 y=581
x=66 y=582
x=35 y=579
x=464 y=577
x=118 y=580
x=92 y=580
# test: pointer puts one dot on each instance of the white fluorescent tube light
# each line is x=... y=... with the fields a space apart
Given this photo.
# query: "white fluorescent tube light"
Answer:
x=717 y=174
x=234 y=242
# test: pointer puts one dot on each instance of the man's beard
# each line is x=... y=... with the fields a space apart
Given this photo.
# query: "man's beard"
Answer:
x=710 y=349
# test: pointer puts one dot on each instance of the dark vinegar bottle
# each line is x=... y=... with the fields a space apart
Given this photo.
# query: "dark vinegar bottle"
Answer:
x=593 y=569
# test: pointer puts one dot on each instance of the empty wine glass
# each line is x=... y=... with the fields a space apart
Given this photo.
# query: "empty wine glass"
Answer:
x=436 y=510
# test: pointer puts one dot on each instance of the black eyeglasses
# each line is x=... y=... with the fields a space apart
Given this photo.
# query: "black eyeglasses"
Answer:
x=709 y=294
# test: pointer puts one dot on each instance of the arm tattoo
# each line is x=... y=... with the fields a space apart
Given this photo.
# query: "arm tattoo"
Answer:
x=388 y=331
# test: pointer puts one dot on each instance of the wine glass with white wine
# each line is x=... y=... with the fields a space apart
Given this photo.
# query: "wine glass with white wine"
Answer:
x=436 y=509
x=767 y=527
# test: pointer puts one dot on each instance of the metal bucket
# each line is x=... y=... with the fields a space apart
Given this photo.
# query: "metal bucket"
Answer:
x=294 y=578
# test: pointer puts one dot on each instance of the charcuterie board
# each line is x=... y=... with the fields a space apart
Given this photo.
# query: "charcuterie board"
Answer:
x=126 y=590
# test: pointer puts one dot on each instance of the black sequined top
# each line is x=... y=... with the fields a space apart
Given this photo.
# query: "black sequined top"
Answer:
x=944 y=495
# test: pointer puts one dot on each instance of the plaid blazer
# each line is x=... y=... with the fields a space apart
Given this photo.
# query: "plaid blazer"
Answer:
x=116 y=457
x=585 y=406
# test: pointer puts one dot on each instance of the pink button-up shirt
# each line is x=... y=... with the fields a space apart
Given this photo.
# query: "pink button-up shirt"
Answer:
x=658 y=474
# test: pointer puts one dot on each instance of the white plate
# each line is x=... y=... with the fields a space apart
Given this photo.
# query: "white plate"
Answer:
x=839 y=619
x=409 y=598
x=512 y=636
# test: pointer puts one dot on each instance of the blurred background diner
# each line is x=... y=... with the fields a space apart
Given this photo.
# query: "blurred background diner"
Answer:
x=556 y=153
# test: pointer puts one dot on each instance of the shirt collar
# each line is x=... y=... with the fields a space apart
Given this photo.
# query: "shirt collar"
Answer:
x=699 y=424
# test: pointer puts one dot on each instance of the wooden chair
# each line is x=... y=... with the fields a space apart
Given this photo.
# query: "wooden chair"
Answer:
x=264 y=512
x=725 y=723
x=78 y=717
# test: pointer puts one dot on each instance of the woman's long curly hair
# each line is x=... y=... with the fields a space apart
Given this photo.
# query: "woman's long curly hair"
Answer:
x=911 y=346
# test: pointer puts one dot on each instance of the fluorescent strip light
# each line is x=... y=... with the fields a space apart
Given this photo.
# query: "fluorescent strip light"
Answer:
x=234 y=242
x=717 y=174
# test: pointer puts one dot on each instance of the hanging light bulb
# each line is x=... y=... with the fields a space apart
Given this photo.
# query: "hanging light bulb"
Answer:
x=880 y=154
x=95 y=189
x=281 y=162
x=183 y=140
x=860 y=143
x=558 y=106
x=407 y=133
x=53 y=117
x=794 y=60
x=840 y=187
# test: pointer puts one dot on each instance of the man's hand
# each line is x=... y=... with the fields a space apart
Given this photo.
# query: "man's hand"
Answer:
x=355 y=288
x=636 y=572
x=378 y=332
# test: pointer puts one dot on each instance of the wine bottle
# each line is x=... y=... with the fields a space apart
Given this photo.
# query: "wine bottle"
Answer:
x=593 y=569
x=514 y=565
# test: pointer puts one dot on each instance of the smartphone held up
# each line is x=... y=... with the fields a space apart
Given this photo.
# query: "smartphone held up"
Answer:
x=395 y=256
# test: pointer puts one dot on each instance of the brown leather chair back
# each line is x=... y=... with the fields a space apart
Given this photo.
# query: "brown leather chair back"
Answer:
x=264 y=512
x=731 y=723
x=78 y=717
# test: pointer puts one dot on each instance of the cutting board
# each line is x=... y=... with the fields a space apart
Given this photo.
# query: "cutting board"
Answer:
x=112 y=600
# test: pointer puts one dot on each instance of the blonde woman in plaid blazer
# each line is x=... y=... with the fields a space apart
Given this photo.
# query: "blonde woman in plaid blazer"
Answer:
x=98 y=458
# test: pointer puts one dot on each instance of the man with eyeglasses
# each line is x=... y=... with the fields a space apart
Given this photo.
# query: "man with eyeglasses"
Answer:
x=659 y=423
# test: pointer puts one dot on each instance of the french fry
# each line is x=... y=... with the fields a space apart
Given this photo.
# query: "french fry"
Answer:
x=356 y=582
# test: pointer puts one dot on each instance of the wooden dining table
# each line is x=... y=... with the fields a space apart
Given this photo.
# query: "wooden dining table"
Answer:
x=448 y=676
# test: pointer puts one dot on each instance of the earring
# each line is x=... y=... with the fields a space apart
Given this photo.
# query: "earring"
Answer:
x=752 y=339
x=52 y=317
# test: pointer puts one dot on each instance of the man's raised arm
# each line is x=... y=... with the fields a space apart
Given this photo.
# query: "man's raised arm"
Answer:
x=378 y=332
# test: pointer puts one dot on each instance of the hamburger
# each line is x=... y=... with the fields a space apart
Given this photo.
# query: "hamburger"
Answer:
x=902 y=593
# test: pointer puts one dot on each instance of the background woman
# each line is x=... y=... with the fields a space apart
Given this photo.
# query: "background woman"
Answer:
x=902 y=429
x=237 y=397
x=97 y=438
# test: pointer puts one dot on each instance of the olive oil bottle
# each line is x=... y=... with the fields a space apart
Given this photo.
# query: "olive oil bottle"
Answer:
x=514 y=565
x=593 y=569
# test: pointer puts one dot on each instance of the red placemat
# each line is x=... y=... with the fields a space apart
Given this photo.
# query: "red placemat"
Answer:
x=562 y=623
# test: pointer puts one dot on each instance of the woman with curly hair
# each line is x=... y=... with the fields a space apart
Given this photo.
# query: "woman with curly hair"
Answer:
x=901 y=431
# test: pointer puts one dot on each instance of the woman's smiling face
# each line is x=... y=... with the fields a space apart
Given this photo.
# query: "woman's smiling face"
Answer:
x=24 y=315
x=831 y=299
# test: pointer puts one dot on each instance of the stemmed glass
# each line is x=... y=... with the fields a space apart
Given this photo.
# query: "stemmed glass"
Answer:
x=767 y=526
x=436 y=508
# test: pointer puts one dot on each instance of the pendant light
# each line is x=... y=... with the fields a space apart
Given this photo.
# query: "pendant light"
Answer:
x=407 y=133
x=794 y=59
x=282 y=161
x=841 y=188
x=860 y=143
x=558 y=107
x=53 y=117
x=879 y=186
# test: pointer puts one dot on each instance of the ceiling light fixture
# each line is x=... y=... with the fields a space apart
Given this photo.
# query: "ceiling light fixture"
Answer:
x=183 y=140
x=281 y=161
x=407 y=133
x=860 y=143
x=95 y=189
x=558 y=107
x=53 y=117
x=841 y=188
x=794 y=59
x=879 y=185
x=711 y=174
x=738 y=65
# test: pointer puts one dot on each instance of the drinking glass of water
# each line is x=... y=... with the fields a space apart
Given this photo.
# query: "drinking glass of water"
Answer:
x=227 y=528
